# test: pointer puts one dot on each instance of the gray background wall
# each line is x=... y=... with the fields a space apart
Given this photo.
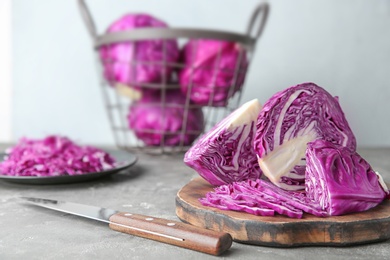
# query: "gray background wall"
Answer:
x=341 y=45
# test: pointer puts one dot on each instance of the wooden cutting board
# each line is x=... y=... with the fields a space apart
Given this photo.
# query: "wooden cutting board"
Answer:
x=280 y=231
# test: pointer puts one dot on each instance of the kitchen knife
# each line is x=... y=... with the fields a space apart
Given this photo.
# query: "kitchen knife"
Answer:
x=163 y=230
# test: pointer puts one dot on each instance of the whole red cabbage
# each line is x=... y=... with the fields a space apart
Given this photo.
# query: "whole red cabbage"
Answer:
x=135 y=62
x=288 y=121
x=209 y=72
x=169 y=123
x=225 y=154
x=53 y=156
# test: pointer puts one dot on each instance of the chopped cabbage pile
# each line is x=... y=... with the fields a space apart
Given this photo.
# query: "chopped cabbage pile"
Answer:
x=53 y=156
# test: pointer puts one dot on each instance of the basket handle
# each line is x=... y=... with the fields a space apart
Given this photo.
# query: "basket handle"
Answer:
x=88 y=20
x=261 y=11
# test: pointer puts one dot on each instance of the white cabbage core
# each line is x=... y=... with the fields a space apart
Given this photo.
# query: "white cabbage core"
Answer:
x=128 y=92
x=245 y=114
x=283 y=158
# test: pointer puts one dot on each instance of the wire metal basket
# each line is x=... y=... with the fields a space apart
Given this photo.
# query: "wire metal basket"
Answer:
x=119 y=98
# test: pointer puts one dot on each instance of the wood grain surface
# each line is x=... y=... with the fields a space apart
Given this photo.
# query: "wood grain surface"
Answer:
x=280 y=231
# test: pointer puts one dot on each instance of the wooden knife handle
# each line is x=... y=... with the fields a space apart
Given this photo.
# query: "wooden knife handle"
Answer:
x=172 y=232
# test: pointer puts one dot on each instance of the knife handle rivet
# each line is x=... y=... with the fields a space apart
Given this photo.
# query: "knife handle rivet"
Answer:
x=171 y=224
x=149 y=219
x=128 y=214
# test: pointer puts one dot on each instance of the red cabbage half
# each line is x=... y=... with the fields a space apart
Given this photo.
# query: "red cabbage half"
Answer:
x=135 y=62
x=225 y=154
x=288 y=121
x=53 y=156
x=209 y=72
x=340 y=181
x=166 y=122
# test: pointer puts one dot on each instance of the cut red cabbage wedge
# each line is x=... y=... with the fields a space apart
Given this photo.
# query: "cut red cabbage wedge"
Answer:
x=340 y=180
x=225 y=154
x=288 y=121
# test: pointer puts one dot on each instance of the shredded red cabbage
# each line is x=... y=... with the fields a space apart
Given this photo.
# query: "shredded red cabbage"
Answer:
x=256 y=197
x=53 y=156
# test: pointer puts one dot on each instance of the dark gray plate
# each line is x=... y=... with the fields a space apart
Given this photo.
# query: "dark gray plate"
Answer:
x=124 y=160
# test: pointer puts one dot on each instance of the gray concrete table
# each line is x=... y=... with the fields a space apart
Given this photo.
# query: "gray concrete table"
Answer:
x=148 y=188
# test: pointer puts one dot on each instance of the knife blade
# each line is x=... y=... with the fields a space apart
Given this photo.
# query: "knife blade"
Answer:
x=162 y=230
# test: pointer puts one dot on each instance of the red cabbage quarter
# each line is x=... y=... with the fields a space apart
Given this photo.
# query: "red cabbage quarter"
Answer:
x=340 y=180
x=209 y=72
x=53 y=156
x=168 y=123
x=225 y=154
x=135 y=62
x=288 y=121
